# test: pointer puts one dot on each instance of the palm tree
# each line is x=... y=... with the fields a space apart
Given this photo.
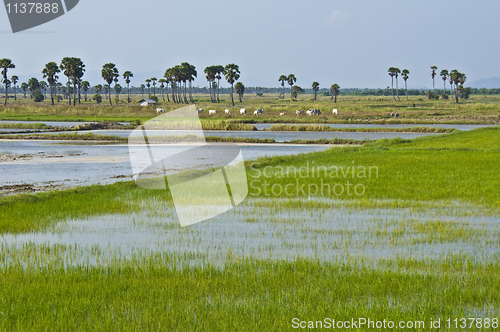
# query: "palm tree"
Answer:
x=43 y=87
x=65 y=66
x=73 y=68
x=98 y=88
x=33 y=85
x=405 y=73
x=177 y=77
x=191 y=74
x=291 y=79
x=6 y=64
x=24 y=87
x=184 y=70
x=444 y=75
x=50 y=73
x=315 y=88
x=334 y=89
x=240 y=89
x=296 y=90
x=126 y=76
x=107 y=91
x=162 y=87
x=210 y=76
x=396 y=74
x=218 y=70
x=118 y=89
x=142 y=89
x=148 y=84
x=458 y=79
x=14 y=79
x=433 y=74
x=392 y=73
x=85 y=87
x=153 y=81
x=170 y=80
x=232 y=74
x=108 y=73
x=282 y=79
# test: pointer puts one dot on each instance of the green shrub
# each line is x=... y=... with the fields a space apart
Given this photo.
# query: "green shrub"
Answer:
x=98 y=98
x=38 y=96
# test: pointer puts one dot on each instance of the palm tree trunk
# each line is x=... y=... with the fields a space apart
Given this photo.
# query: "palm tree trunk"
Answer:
x=218 y=87
x=397 y=89
x=406 y=89
x=74 y=94
x=335 y=98
x=69 y=95
x=392 y=88
x=232 y=99
x=109 y=94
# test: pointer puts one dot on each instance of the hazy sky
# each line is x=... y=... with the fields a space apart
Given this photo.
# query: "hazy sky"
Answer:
x=351 y=43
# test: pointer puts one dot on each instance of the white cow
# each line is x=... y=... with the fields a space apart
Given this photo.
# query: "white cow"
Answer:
x=282 y=114
x=228 y=112
x=297 y=112
x=212 y=112
x=260 y=111
x=201 y=111
x=243 y=111
x=160 y=110
x=312 y=111
x=335 y=111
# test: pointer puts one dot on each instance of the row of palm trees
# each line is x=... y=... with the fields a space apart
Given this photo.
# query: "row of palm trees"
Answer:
x=455 y=78
x=294 y=90
x=179 y=77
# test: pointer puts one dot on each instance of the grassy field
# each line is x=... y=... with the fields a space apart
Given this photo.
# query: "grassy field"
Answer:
x=352 y=109
x=188 y=292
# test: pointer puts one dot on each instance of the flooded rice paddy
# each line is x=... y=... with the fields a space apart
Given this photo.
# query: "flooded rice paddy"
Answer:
x=58 y=164
x=282 y=229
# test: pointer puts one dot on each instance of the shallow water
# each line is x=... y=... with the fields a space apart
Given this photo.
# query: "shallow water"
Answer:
x=46 y=164
x=258 y=229
x=278 y=136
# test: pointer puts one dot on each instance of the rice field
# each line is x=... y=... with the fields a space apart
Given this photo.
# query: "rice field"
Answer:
x=420 y=244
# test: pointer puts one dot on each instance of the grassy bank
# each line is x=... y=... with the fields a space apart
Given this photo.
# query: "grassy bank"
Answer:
x=316 y=128
x=174 y=139
x=6 y=125
x=461 y=166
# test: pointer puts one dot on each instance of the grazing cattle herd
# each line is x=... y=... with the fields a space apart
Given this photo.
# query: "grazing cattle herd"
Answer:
x=260 y=111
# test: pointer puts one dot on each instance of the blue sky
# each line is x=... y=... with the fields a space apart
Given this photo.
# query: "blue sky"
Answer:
x=351 y=43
